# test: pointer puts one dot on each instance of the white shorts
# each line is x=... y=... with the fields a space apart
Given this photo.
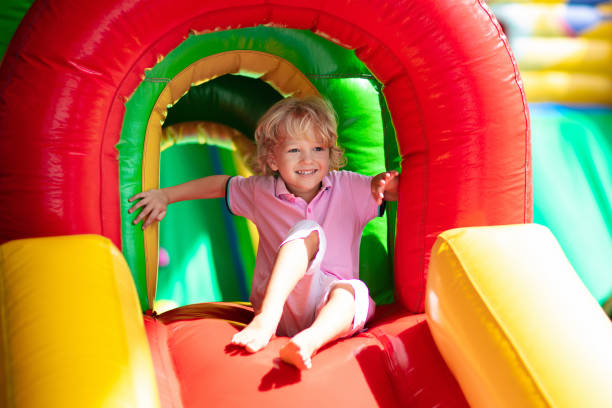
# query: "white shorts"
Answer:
x=312 y=291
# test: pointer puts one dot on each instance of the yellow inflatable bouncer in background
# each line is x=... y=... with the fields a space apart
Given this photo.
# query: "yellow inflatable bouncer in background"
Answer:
x=563 y=49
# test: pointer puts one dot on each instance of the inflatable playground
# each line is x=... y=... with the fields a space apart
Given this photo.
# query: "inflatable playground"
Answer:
x=477 y=304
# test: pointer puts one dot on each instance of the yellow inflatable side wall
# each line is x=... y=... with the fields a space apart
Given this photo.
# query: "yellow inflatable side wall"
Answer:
x=71 y=327
x=514 y=322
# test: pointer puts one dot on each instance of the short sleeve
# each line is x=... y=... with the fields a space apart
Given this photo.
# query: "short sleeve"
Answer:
x=239 y=195
x=361 y=191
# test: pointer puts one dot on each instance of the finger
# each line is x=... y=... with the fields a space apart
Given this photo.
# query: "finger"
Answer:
x=144 y=213
x=154 y=216
x=139 y=204
x=150 y=219
x=157 y=215
x=134 y=208
x=146 y=223
x=136 y=197
x=378 y=197
x=139 y=217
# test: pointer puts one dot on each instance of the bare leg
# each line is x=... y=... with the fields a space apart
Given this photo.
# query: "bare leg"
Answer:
x=333 y=321
x=290 y=266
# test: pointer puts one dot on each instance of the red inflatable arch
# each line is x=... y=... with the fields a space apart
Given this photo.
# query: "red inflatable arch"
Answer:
x=451 y=84
x=450 y=81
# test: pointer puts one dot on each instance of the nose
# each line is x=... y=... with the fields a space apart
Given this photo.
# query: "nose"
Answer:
x=306 y=155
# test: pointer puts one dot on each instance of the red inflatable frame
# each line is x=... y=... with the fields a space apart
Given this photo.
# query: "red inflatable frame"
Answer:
x=450 y=81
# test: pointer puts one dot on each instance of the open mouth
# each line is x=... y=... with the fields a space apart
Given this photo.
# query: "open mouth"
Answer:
x=305 y=172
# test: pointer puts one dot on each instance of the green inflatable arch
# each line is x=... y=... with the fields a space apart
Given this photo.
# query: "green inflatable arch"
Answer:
x=236 y=101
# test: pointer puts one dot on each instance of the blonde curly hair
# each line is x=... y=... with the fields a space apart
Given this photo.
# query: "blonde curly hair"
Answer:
x=297 y=116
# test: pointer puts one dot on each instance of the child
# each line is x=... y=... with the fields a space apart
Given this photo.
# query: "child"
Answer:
x=309 y=216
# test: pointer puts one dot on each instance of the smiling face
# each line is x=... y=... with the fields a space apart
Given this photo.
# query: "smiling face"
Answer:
x=311 y=116
x=302 y=161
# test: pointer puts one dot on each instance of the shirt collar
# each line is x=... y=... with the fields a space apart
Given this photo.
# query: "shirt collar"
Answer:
x=281 y=191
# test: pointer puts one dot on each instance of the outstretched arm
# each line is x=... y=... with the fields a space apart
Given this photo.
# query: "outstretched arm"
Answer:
x=385 y=186
x=155 y=202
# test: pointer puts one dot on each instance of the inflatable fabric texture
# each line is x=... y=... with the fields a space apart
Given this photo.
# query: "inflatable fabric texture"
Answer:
x=394 y=364
x=453 y=91
x=71 y=328
x=507 y=297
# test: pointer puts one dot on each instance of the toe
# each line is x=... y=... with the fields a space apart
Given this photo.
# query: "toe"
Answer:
x=292 y=354
x=253 y=346
x=239 y=339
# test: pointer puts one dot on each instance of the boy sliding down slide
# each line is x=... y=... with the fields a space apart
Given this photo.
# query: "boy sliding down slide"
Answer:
x=310 y=217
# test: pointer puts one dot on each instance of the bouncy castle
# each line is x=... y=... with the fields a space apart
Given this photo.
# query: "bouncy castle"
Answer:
x=478 y=306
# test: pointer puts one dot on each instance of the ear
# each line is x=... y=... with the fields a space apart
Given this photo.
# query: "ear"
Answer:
x=271 y=160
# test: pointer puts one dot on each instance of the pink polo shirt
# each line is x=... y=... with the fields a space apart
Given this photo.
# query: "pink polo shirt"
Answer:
x=343 y=207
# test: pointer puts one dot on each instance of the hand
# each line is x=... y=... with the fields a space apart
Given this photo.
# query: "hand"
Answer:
x=384 y=186
x=153 y=203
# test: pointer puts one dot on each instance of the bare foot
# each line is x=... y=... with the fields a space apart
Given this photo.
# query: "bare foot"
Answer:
x=256 y=335
x=299 y=351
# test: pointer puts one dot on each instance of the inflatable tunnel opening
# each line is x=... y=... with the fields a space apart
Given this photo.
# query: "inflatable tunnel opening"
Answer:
x=205 y=253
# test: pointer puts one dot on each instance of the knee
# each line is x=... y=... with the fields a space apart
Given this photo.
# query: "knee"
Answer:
x=344 y=291
x=309 y=242
x=312 y=244
x=312 y=236
x=343 y=294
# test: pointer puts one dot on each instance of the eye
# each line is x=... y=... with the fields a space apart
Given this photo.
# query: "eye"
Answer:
x=294 y=150
x=319 y=149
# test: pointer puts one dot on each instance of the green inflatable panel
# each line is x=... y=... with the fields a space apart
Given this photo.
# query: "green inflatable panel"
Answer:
x=572 y=184
x=11 y=14
x=200 y=235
